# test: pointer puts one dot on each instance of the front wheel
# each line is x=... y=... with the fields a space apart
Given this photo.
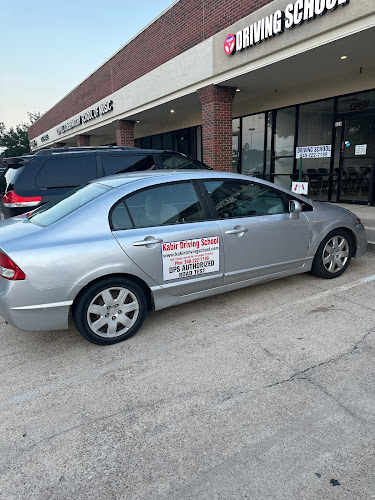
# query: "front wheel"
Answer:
x=333 y=255
x=110 y=311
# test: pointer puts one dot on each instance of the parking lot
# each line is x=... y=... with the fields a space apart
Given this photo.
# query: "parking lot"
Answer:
x=263 y=393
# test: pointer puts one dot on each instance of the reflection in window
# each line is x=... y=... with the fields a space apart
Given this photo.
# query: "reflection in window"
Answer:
x=166 y=204
x=244 y=199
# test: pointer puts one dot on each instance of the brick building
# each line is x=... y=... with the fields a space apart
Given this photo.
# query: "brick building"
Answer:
x=249 y=85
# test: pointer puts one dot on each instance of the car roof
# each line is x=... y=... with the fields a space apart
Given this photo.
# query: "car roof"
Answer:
x=171 y=175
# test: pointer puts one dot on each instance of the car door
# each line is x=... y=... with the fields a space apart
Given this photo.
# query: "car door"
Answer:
x=165 y=231
x=260 y=238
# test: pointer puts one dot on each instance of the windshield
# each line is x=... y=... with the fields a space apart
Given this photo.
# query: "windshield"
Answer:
x=57 y=209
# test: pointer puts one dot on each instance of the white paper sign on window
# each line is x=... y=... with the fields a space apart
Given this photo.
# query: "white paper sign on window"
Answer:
x=300 y=187
x=322 y=151
x=360 y=149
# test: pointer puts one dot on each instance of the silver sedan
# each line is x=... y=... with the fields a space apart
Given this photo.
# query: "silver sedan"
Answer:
x=121 y=246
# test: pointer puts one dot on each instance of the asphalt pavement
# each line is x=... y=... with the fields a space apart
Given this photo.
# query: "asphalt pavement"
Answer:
x=263 y=393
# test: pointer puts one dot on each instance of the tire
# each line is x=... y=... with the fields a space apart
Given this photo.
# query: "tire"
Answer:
x=110 y=311
x=333 y=255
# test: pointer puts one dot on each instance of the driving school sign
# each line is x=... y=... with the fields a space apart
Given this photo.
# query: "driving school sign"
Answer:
x=293 y=15
x=188 y=258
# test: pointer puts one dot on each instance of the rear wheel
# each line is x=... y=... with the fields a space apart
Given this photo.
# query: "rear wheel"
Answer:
x=333 y=255
x=110 y=311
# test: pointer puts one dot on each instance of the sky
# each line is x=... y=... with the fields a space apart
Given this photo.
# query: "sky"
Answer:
x=49 y=47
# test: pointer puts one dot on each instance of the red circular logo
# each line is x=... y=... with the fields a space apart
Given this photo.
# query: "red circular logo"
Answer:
x=229 y=44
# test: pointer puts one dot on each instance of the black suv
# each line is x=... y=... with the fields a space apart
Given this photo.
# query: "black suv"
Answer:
x=34 y=179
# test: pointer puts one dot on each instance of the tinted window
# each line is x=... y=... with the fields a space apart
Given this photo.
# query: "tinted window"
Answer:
x=129 y=163
x=243 y=199
x=71 y=201
x=171 y=161
x=66 y=172
x=120 y=218
x=165 y=204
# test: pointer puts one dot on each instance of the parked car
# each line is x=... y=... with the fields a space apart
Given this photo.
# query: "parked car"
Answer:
x=124 y=245
x=34 y=179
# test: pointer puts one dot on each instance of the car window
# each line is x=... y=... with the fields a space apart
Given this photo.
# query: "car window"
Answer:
x=127 y=163
x=120 y=218
x=171 y=161
x=239 y=198
x=165 y=204
x=57 y=209
x=66 y=172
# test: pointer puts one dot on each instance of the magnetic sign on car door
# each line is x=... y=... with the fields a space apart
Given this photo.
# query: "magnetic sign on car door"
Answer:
x=188 y=258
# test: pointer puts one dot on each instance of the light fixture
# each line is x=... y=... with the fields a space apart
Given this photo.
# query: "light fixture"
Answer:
x=343 y=57
x=238 y=90
x=172 y=111
x=137 y=121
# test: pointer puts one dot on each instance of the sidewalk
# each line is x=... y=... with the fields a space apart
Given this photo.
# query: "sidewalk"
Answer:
x=367 y=216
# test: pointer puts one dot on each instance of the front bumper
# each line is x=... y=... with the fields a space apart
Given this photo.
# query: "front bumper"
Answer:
x=28 y=308
x=361 y=247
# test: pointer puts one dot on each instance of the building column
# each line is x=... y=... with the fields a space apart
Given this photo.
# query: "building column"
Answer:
x=83 y=140
x=216 y=103
x=124 y=132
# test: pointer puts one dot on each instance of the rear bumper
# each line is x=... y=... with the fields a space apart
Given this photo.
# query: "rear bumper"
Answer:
x=27 y=308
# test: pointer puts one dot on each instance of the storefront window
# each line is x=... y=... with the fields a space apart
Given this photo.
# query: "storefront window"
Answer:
x=284 y=146
x=252 y=153
x=285 y=126
x=315 y=129
x=167 y=141
x=235 y=144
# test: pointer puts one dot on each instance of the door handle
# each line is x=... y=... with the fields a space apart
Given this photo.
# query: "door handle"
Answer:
x=237 y=230
x=145 y=243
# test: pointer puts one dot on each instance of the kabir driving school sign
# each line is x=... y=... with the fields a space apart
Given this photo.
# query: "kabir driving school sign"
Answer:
x=188 y=258
x=293 y=15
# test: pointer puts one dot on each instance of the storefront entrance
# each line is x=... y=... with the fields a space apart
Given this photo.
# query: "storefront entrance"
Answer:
x=356 y=173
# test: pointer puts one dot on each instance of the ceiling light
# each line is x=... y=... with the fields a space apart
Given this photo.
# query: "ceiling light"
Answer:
x=238 y=90
x=344 y=57
x=137 y=121
x=172 y=110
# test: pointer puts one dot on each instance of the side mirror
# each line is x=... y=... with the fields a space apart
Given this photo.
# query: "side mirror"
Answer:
x=295 y=208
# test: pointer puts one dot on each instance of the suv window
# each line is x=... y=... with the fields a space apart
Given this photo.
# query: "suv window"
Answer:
x=244 y=199
x=66 y=172
x=171 y=161
x=160 y=205
x=129 y=163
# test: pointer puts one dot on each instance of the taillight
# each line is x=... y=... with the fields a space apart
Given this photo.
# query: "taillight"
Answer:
x=12 y=199
x=9 y=270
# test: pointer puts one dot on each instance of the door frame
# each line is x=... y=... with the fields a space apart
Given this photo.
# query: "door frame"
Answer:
x=343 y=117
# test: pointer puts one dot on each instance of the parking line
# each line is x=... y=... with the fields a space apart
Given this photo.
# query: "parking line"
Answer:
x=81 y=377
x=316 y=296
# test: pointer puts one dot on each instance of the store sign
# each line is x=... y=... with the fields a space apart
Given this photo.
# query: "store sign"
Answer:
x=91 y=114
x=293 y=15
x=44 y=138
x=33 y=143
x=323 y=151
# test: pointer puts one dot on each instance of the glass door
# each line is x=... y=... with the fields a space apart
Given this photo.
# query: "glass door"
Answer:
x=357 y=159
